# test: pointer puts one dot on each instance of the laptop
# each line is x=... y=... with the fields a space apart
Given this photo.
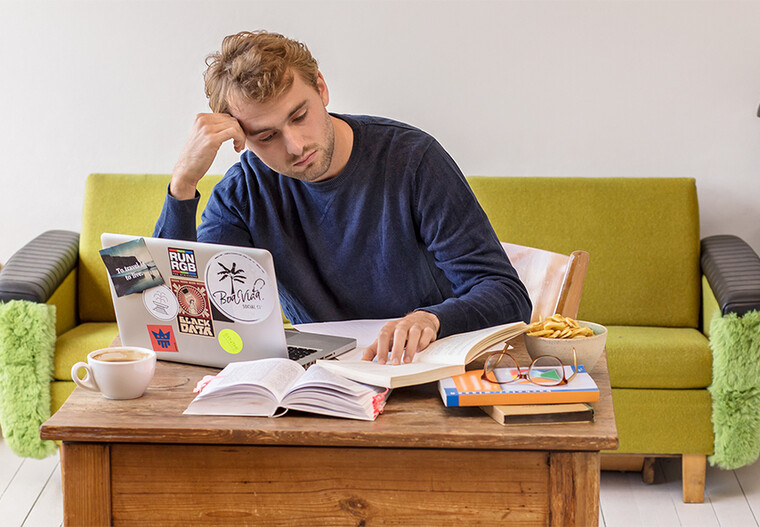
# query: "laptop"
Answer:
x=204 y=304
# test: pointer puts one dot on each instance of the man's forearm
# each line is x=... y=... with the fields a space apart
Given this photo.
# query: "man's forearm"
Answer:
x=489 y=303
x=177 y=219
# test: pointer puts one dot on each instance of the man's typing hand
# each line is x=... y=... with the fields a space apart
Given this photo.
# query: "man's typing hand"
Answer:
x=209 y=132
x=399 y=340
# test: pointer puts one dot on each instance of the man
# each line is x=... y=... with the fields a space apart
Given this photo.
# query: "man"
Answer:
x=365 y=217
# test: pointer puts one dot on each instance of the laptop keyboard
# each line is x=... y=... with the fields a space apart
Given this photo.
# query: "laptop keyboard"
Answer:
x=297 y=353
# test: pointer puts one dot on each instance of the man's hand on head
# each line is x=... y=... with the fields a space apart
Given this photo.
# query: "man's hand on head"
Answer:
x=399 y=340
x=209 y=132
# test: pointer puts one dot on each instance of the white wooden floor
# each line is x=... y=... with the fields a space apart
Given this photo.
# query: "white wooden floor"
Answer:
x=30 y=496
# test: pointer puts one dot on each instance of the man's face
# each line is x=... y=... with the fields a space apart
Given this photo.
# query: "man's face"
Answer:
x=292 y=134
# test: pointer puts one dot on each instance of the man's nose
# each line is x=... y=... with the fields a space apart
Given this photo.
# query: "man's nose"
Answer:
x=294 y=142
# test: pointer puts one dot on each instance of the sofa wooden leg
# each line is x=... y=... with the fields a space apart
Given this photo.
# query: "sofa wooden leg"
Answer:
x=647 y=470
x=622 y=462
x=693 y=474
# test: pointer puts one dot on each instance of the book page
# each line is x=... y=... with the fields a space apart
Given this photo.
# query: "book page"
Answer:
x=323 y=392
x=274 y=375
x=464 y=347
x=316 y=375
x=442 y=358
x=454 y=349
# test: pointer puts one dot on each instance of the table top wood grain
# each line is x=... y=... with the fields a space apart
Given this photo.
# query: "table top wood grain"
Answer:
x=414 y=417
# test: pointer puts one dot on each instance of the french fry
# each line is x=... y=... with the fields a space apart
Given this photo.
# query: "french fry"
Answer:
x=558 y=327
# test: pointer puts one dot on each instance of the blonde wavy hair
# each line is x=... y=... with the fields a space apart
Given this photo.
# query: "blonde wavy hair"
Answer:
x=257 y=66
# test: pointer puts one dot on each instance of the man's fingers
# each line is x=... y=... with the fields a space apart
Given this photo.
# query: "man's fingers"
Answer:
x=209 y=131
x=370 y=351
x=412 y=342
x=399 y=340
x=384 y=342
x=428 y=336
x=399 y=343
x=217 y=128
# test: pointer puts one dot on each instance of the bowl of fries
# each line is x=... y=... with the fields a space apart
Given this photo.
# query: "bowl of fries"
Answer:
x=557 y=335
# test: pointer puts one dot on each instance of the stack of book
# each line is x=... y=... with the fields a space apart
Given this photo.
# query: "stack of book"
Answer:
x=523 y=401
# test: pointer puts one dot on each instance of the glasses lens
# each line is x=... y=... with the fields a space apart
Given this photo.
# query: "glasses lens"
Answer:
x=501 y=368
x=546 y=371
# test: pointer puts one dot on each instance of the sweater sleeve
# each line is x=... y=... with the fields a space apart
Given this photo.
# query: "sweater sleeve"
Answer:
x=456 y=230
x=222 y=221
x=177 y=219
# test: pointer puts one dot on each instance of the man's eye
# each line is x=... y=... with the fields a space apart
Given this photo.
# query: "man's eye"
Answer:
x=300 y=117
x=266 y=139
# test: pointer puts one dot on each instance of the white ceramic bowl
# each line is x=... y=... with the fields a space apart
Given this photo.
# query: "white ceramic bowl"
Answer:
x=587 y=349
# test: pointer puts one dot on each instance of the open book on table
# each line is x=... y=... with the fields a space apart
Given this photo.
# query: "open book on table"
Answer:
x=442 y=358
x=262 y=387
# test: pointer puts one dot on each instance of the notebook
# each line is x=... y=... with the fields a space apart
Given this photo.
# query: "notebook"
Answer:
x=203 y=303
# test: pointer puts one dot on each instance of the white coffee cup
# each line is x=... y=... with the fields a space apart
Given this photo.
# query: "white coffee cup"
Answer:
x=118 y=372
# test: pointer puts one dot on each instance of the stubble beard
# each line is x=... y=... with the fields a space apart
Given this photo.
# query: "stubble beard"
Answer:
x=321 y=164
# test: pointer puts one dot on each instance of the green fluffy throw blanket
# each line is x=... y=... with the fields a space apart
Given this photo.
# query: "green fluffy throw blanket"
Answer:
x=27 y=344
x=735 y=343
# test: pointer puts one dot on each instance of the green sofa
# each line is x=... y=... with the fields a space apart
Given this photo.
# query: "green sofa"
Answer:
x=644 y=283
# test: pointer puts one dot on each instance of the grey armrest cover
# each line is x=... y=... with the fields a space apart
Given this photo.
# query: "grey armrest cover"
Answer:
x=732 y=269
x=38 y=268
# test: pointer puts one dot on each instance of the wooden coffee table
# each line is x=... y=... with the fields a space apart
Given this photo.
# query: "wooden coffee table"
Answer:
x=142 y=462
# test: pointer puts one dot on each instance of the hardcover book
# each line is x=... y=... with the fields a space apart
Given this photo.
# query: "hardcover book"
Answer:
x=442 y=358
x=469 y=389
x=540 y=413
x=269 y=387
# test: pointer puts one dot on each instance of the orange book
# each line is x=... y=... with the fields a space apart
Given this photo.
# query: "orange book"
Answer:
x=469 y=389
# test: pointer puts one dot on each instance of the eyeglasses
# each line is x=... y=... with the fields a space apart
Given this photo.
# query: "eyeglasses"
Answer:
x=546 y=370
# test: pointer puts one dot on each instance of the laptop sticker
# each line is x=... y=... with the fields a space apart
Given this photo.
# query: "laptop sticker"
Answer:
x=131 y=267
x=194 y=316
x=230 y=341
x=218 y=316
x=182 y=262
x=239 y=287
x=162 y=338
x=161 y=302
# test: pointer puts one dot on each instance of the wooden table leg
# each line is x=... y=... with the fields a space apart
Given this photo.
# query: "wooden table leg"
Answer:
x=86 y=474
x=574 y=488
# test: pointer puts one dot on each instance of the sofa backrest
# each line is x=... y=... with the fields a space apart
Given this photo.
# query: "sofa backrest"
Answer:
x=123 y=204
x=642 y=235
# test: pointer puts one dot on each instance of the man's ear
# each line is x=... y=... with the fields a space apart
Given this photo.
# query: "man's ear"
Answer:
x=324 y=94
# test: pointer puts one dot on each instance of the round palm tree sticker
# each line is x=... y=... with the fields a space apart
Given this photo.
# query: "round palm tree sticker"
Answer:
x=239 y=287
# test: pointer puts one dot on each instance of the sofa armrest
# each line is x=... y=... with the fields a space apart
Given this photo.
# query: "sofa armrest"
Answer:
x=732 y=269
x=38 y=268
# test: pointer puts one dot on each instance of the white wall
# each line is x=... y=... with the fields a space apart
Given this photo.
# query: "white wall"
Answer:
x=565 y=88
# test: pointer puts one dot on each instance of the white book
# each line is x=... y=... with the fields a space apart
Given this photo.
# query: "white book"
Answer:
x=269 y=387
x=442 y=358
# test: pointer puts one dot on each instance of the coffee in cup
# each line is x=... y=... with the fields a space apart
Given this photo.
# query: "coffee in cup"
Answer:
x=120 y=355
x=117 y=373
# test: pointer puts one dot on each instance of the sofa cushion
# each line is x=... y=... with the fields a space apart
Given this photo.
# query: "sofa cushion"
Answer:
x=663 y=421
x=642 y=235
x=123 y=204
x=59 y=392
x=74 y=345
x=652 y=357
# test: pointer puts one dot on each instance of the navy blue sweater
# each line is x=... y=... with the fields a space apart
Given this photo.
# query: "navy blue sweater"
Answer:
x=398 y=229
